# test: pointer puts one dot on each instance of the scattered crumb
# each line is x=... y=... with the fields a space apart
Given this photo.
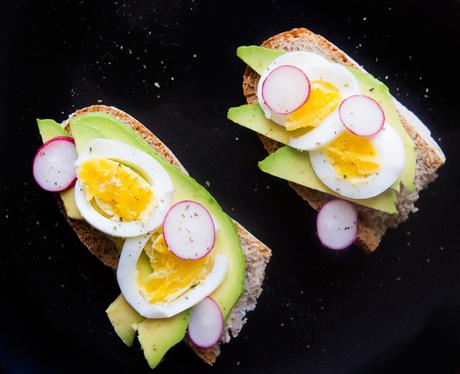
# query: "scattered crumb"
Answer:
x=428 y=260
x=398 y=278
x=207 y=183
x=99 y=100
x=157 y=85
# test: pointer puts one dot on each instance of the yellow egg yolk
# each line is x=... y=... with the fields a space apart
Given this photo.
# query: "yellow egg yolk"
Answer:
x=163 y=277
x=323 y=100
x=116 y=188
x=352 y=156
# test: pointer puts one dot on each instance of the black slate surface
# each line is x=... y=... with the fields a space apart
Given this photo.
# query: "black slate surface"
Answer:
x=397 y=310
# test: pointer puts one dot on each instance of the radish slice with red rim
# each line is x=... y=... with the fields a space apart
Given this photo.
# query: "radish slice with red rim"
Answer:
x=362 y=115
x=53 y=165
x=285 y=89
x=206 y=323
x=337 y=224
x=189 y=230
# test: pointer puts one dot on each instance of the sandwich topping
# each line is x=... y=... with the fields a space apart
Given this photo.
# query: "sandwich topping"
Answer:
x=352 y=164
x=346 y=132
x=178 y=251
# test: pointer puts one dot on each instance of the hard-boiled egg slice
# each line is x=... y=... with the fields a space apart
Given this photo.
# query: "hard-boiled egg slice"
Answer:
x=317 y=122
x=121 y=190
x=360 y=167
x=157 y=284
x=334 y=83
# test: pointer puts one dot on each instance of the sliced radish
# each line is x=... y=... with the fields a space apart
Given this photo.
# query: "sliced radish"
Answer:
x=285 y=89
x=362 y=115
x=53 y=166
x=189 y=230
x=337 y=224
x=206 y=323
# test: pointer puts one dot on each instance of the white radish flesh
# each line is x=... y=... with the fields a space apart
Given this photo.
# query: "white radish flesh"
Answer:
x=285 y=89
x=206 y=323
x=337 y=224
x=188 y=230
x=53 y=166
x=362 y=115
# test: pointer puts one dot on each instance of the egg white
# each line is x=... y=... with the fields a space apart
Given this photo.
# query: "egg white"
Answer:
x=126 y=277
x=391 y=158
x=316 y=68
x=151 y=169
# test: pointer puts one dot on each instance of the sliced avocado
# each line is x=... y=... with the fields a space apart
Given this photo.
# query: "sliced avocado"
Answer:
x=123 y=319
x=49 y=129
x=379 y=92
x=70 y=206
x=157 y=336
x=295 y=166
x=89 y=126
x=252 y=117
x=258 y=58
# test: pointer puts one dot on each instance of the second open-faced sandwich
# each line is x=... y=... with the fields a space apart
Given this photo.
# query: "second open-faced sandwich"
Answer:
x=332 y=130
x=186 y=270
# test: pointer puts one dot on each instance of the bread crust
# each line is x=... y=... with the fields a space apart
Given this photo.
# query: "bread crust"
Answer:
x=257 y=254
x=372 y=224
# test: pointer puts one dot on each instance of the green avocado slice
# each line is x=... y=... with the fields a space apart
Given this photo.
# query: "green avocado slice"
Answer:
x=89 y=126
x=252 y=117
x=258 y=58
x=301 y=172
x=49 y=129
x=157 y=336
x=124 y=319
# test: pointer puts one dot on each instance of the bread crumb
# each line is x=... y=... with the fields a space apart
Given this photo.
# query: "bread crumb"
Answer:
x=157 y=85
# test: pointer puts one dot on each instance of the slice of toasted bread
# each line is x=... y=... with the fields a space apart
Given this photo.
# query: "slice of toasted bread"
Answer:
x=373 y=223
x=256 y=253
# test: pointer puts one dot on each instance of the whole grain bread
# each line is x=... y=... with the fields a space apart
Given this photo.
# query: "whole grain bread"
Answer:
x=256 y=253
x=373 y=223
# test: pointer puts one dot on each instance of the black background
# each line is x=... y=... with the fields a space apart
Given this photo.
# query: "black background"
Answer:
x=397 y=310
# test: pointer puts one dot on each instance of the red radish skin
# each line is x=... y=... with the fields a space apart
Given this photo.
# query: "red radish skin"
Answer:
x=362 y=115
x=285 y=89
x=337 y=224
x=188 y=230
x=206 y=324
x=53 y=165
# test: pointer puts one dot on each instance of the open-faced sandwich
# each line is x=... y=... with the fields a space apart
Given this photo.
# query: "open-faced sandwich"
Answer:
x=186 y=271
x=345 y=145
